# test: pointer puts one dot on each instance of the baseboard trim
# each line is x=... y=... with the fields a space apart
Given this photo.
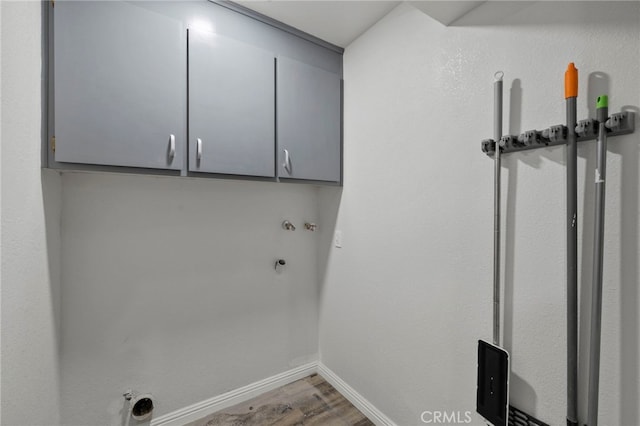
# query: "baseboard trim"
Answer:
x=210 y=406
x=220 y=402
x=360 y=402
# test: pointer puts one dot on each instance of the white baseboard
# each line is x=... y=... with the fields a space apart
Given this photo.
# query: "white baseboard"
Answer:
x=220 y=402
x=210 y=406
x=368 y=409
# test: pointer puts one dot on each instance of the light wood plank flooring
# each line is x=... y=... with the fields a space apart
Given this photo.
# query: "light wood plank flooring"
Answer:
x=309 y=401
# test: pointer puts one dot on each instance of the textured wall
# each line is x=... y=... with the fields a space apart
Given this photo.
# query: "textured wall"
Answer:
x=405 y=300
x=30 y=230
x=169 y=287
x=167 y=284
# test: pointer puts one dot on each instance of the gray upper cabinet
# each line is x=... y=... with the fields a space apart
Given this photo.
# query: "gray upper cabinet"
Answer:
x=193 y=88
x=231 y=106
x=119 y=85
x=309 y=122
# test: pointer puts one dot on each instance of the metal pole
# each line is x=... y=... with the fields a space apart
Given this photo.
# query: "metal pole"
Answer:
x=497 y=134
x=571 y=93
x=598 y=245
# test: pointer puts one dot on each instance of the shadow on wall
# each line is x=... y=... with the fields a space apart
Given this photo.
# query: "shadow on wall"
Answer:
x=522 y=393
x=515 y=118
x=329 y=204
x=629 y=277
x=52 y=202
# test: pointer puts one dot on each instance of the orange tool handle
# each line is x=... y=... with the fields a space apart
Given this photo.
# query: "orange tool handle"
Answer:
x=571 y=82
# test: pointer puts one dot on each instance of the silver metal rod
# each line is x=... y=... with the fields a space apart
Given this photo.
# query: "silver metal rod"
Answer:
x=497 y=134
x=598 y=245
x=572 y=264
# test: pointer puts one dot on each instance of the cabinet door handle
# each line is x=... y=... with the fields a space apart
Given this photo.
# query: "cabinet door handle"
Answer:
x=172 y=147
x=287 y=162
x=198 y=149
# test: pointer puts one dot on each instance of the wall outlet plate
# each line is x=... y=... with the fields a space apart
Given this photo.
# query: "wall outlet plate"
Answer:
x=337 y=239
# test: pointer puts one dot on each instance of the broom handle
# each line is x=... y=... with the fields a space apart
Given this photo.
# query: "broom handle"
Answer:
x=598 y=246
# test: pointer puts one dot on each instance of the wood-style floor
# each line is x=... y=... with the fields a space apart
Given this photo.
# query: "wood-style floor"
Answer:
x=309 y=401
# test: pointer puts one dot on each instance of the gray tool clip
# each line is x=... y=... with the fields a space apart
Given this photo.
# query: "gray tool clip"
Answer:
x=587 y=128
x=556 y=134
x=530 y=138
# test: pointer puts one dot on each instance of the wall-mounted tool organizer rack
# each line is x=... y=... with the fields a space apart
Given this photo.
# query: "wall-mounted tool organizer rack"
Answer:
x=600 y=129
x=621 y=123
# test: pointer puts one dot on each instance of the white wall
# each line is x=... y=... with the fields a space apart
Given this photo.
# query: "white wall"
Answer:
x=405 y=300
x=169 y=287
x=30 y=230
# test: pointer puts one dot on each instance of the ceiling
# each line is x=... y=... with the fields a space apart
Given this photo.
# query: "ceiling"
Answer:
x=341 y=22
x=338 y=22
x=447 y=12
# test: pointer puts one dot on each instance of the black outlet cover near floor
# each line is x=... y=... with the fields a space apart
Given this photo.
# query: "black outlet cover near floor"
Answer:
x=493 y=383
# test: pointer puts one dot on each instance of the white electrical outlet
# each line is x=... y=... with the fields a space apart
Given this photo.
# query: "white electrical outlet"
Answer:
x=337 y=239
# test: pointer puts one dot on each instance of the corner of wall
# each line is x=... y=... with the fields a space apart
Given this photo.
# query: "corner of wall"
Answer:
x=31 y=208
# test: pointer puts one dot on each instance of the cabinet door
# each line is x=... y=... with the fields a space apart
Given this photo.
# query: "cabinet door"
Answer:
x=309 y=122
x=119 y=85
x=231 y=106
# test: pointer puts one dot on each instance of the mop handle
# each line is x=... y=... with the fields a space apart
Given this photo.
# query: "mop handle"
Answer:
x=571 y=93
x=571 y=82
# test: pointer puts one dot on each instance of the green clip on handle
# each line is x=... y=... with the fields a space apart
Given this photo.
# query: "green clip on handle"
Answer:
x=602 y=102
